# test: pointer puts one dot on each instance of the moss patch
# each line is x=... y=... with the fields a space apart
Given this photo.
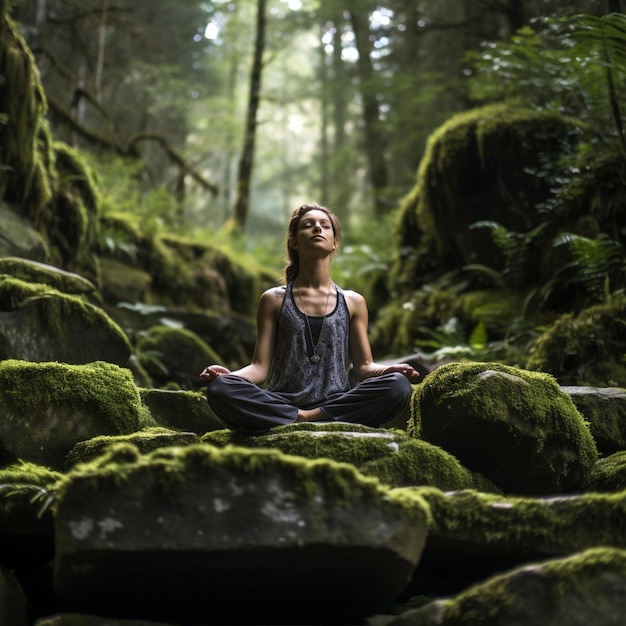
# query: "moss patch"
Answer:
x=390 y=455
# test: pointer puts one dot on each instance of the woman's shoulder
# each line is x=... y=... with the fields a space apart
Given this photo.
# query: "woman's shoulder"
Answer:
x=354 y=300
x=274 y=296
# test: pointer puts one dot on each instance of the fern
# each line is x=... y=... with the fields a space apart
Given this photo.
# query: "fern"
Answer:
x=599 y=264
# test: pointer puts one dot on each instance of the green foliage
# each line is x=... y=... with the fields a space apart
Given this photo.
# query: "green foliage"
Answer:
x=599 y=265
x=575 y=65
x=516 y=249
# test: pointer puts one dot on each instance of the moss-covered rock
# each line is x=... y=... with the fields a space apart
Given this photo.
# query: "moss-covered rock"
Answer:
x=40 y=323
x=585 y=588
x=390 y=455
x=175 y=355
x=18 y=237
x=604 y=409
x=585 y=349
x=480 y=165
x=46 y=408
x=609 y=473
x=42 y=273
x=515 y=427
x=179 y=521
x=477 y=534
x=26 y=523
x=146 y=440
x=181 y=410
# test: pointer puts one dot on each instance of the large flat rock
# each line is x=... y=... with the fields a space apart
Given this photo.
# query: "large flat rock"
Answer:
x=198 y=535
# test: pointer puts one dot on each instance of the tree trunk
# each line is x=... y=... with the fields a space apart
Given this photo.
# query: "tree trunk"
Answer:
x=375 y=143
x=242 y=202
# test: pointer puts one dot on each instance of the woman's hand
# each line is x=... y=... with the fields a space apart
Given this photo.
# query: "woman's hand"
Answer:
x=213 y=371
x=405 y=369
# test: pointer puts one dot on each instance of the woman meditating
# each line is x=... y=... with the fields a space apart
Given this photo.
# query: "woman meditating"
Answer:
x=308 y=333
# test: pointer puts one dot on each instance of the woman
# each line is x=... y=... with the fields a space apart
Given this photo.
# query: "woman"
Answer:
x=308 y=331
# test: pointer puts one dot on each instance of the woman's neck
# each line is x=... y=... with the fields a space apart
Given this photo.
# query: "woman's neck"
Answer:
x=314 y=275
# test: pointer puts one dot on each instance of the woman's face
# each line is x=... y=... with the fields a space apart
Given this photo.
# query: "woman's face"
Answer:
x=315 y=231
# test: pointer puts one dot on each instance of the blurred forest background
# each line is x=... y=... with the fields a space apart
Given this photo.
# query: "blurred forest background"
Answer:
x=215 y=119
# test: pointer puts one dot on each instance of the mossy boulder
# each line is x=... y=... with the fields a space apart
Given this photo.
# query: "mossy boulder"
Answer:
x=175 y=356
x=42 y=273
x=39 y=323
x=515 y=427
x=18 y=237
x=180 y=410
x=46 y=408
x=145 y=536
x=604 y=409
x=390 y=455
x=481 y=166
x=26 y=521
x=473 y=535
x=585 y=588
x=146 y=440
x=585 y=349
x=609 y=473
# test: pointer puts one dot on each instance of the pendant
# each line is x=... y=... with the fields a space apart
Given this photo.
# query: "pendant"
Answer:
x=315 y=358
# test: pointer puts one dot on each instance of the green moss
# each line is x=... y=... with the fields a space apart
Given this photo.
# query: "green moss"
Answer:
x=528 y=409
x=391 y=456
x=24 y=472
x=56 y=307
x=587 y=349
x=609 y=474
x=310 y=478
x=39 y=273
x=147 y=439
x=77 y=386
x=527 y=525
x=25 y=162
x=489 y=603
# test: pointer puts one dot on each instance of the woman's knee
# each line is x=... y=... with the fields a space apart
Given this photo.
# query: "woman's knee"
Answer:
x=400 y=389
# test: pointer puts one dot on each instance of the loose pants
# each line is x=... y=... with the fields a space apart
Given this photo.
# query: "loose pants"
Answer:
x=241 y=405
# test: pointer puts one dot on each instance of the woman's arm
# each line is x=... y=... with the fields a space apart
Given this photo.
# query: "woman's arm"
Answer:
x=267 y=323
x=360 y=347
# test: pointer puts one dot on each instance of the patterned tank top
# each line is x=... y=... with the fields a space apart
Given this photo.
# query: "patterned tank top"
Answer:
x=302 y=383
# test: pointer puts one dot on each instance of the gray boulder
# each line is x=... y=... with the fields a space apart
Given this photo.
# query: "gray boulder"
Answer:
x=181 y=410
x=584 y=589
x=18 y=237
x=517 y=428
x=202 y=535
x=604 y=408
x=474 y=535
x=42 y=273
x=38 y=323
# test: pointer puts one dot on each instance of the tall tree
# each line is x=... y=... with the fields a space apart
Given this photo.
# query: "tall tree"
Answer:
x=246 y=161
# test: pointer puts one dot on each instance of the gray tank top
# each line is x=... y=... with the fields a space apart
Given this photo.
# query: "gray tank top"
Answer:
x=302 y=383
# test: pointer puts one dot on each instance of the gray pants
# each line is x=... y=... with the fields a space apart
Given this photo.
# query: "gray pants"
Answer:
x=242 y=405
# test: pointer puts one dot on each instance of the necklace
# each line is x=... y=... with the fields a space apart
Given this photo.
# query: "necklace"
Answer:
x=315 y=357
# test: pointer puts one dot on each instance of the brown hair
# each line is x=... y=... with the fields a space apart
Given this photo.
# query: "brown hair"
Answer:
x=293 y=259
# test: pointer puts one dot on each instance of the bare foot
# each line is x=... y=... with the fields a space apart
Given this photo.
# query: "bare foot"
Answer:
x=310 y=415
